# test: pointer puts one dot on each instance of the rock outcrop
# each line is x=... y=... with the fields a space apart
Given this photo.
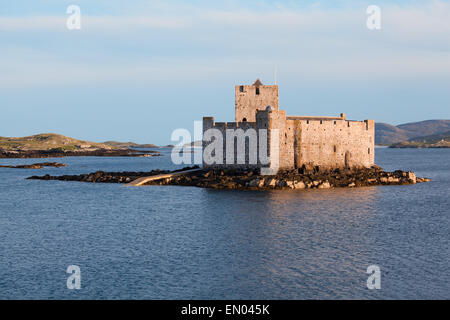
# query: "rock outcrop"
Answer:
x=293 y=179
x=304 y=178
x=36 y=165
x=107 y=177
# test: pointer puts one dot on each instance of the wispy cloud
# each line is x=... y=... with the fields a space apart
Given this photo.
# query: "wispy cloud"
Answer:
x=189 y=42
x=95 y=24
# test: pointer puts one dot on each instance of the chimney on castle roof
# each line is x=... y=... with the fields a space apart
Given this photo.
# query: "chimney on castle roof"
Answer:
x=257 y=83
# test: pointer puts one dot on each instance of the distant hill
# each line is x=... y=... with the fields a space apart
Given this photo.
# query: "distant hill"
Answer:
x=434 y=138
x=441 y=140
x=126 y=145
x=49 y=141
x=386 y=134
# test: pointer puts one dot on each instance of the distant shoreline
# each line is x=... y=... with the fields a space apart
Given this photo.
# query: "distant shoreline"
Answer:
x=415 y=145
x=27 y=154
x=403 y=145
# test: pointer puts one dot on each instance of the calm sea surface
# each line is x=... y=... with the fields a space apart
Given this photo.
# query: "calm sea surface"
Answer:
x=168 y=242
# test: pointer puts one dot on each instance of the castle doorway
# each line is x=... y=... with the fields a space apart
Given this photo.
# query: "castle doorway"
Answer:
x=348 y=159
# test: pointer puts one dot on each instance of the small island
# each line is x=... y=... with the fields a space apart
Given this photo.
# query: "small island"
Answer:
x=39 y=165
x=246 y=179
x=50 y=145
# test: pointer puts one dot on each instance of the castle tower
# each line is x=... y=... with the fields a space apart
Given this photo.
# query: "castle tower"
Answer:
x=249 y=99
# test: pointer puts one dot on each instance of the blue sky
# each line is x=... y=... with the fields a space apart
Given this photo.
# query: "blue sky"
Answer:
x=137 y=70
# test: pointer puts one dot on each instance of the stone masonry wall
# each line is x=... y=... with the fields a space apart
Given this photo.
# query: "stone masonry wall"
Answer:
x=208 y=123
x=325 y=143
x=247 y=101
x=334 y=143
x=286 y=138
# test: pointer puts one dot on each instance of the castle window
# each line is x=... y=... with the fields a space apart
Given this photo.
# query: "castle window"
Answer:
x=257 y=91
x=244 y=120
x=335 y=149
x=307 y=121
x=348 y=124
x=368 y=150
x=241 y=88
x=335 y=122
x=320 y=121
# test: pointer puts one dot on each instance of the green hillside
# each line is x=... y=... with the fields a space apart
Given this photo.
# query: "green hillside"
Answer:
x=117 y=144
x=49 y=141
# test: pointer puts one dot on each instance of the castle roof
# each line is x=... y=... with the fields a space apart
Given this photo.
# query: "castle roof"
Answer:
x=257 y=83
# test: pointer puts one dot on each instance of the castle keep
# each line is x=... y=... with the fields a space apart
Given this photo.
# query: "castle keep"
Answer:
x=328 y=142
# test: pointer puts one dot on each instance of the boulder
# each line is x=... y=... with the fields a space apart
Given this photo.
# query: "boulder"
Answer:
x=290 y=184
x=325 y=185
x=271 y=182
x=258 y=182
x=411 y=177
x=299 y=185
x=393 y=180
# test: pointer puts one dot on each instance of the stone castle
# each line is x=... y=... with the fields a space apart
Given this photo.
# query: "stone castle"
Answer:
x=328 y=142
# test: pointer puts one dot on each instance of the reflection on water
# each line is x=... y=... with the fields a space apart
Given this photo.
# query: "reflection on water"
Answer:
x=168 y=242
x=289 y=235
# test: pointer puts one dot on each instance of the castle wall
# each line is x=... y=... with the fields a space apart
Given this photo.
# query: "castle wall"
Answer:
x=222 y=127
x=286 y=138
x=328 y=142
x=247 y=101
x=335 y=143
